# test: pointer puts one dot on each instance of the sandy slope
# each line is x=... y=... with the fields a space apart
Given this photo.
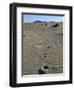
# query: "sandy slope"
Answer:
x=42 y=45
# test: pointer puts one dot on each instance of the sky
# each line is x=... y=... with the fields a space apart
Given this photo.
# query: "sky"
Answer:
x=31 y=18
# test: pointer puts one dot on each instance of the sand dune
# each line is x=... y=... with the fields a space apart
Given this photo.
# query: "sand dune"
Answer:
x=42 y=46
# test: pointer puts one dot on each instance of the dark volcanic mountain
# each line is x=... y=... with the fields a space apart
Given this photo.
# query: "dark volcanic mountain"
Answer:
x=39 y=21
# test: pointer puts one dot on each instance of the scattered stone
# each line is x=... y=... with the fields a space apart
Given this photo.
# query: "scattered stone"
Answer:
x=56 y=25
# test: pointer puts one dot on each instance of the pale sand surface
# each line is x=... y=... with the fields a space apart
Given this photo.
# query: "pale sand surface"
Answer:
x=42 y=45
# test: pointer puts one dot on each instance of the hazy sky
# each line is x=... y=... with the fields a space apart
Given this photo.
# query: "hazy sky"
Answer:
x=32 y=18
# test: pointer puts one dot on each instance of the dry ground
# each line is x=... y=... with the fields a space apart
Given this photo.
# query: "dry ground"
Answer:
x=42 y=45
